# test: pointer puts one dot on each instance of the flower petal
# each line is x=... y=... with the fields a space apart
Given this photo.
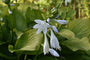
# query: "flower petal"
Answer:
x=39 y=30
x=38 y=21
x=46 y=46
x=45 y=30
x=55 y=29
x=53 y=52
x=36 y=26
x=61 y=21
x=65 y=2
x=48 y=20
x=54 y=41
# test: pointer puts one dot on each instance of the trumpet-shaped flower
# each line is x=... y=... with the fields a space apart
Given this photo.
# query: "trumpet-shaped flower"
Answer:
x=54 y=41
x=41 y=25
x=66 y=1
x=53 y=52
x=46 y=46
x=61 y=21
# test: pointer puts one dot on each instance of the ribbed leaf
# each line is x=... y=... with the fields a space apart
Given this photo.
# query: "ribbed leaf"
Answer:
x=78 y=44
x=67 y=34
x=81 y=28
x=29 y=41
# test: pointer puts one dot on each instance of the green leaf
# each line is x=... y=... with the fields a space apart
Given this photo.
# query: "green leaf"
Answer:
x=3 y=10
x=23 y=10
x=81 y=28
x=32 y=14
x=67 y=34
x=21 y=24
x=29 y=42
x=78 y=44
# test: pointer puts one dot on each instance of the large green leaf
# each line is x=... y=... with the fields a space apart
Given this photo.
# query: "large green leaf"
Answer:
x=78 y=44
x=29 y=42
x=21 y=24
x=81 y=28
x=67 y=34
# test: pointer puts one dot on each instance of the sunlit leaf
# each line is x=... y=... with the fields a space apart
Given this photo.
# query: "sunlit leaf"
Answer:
x=81 y=28
x=78 y=44
x=29 y=41
x=67 y=34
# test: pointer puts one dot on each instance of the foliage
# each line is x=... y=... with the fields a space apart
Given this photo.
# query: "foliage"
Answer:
x=19 y=41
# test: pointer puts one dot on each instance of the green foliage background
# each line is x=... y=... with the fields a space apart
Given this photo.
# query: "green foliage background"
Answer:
x=19 y=41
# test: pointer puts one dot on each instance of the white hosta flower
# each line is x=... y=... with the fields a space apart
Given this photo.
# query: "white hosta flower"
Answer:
x=1 y=19
x=10 y=12
x=41 y=25
x=55 y=29
x=54 y=41
x=61 y=21
x=53 y=52
x=46 y=46
x=67 y=1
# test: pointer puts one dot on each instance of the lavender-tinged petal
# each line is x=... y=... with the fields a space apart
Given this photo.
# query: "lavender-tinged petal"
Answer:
x=61 y=21
x=57 y=46
x=46 y=46
x=55 y=29
x=48 y=25
x=48 y=20
x=53 y=52
x=36 y=26
x=54 y=41
x=65 y=2
x=39 y=30
x=45 y=30
x=38 y=21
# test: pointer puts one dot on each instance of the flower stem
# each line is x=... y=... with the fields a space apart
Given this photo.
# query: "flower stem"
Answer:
x=25 y=57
